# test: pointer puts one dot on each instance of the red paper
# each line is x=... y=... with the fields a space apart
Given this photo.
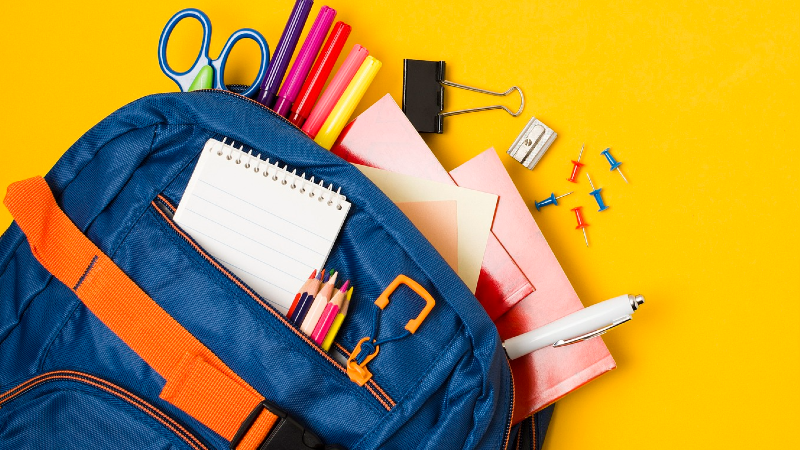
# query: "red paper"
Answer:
x=382 y=137
x=546 y=375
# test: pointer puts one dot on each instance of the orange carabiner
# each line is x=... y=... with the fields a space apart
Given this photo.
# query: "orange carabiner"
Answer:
x=412 y=324
x=358 y=372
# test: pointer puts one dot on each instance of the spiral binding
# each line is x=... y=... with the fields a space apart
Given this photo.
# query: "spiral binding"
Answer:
x=273 y=172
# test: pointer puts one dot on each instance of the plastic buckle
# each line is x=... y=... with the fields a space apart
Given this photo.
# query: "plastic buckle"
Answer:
x=286 y=434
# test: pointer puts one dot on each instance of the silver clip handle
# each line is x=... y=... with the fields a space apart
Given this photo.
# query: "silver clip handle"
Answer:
x=595 y=333
x=485 y=108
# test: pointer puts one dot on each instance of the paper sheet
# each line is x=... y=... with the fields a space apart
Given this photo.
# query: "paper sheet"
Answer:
x=475 y=213
x=438 y=222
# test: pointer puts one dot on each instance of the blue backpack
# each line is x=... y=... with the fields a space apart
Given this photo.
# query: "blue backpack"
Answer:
x=118 y=331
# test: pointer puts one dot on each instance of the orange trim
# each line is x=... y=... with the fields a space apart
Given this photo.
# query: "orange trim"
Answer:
x=372 y=386
x=133 y=316
x=113 y=389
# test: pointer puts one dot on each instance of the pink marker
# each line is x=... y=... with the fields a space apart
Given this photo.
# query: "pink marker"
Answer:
x=308 y=52
x=335 y=90
x=329 y=314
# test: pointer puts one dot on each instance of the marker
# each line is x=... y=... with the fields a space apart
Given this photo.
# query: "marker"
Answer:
x=576 y=327
x=283 y=52
x=335 y=90
x=347 y=104
x=302 y=64
x=313 y=85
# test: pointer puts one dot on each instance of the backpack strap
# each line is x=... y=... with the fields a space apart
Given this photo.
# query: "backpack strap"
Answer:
x=197 y=381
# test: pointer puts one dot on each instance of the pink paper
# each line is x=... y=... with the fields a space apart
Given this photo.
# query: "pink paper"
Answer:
x=382 y=137
x=548 y=374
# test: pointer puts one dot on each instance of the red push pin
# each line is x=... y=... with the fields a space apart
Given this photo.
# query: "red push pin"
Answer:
x=576 y=167
x=581 y=224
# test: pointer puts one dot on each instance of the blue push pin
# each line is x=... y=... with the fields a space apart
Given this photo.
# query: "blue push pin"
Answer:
x=614 y=163
x=596 y=194
x=552 y=200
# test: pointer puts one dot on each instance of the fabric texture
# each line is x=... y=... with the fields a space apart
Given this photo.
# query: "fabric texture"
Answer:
x=64 y=372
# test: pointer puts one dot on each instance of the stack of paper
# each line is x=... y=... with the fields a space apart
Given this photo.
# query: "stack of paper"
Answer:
x=383 y=137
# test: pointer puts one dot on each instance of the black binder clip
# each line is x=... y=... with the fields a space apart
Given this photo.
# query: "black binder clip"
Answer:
x=423 y=95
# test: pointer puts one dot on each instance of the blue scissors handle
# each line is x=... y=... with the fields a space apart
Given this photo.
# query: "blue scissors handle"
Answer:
x=219 y=63
x=185 y=79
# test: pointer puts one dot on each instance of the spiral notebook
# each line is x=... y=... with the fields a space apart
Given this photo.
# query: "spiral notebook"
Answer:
x=268 y=226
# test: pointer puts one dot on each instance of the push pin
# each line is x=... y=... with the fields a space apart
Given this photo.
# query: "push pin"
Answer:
x=423 y=95
x=552 y=200
x=576 y=166
x=581 y=224
x=596 y=194
x=614 y=163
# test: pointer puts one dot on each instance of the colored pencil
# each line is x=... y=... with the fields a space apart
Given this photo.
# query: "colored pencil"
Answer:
x=303 y=290
x=329 y=314
x=318 y=306
x=305 y=302
x=337 y=322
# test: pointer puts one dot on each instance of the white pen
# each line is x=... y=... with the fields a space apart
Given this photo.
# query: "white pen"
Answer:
x=578 y=326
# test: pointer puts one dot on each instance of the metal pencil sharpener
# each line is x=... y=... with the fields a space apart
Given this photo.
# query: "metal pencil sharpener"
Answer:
x=530 y=145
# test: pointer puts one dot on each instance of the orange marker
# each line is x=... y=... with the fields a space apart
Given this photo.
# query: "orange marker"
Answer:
x=303 y=290
x=316 y=309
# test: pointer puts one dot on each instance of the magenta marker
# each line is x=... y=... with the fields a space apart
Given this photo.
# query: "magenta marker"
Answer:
x=283 y=52
x=302 y=64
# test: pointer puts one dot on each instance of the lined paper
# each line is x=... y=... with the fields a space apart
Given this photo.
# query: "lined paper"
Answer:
x=269 y=234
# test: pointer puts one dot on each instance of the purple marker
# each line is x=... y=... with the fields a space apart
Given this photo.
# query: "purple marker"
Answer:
x=283 y=52
x=302 y=64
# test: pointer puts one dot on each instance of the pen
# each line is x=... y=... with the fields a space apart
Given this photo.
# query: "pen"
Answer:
x=347 y=104
x=302 y=64
x=578 y=326
x=335 y=90
x=283 y=52
x=319 y=73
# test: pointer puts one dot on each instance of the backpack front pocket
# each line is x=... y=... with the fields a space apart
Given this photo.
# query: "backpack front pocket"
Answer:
x=72 y=409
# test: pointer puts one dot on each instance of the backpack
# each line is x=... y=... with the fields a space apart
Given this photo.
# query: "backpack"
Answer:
x=118 y=331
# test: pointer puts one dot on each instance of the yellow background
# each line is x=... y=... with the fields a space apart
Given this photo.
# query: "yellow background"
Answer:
x=697 y=99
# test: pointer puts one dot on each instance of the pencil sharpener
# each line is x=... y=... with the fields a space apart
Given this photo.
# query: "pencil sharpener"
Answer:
x=530 y=145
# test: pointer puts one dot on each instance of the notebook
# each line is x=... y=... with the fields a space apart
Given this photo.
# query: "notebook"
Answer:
x=268 y=226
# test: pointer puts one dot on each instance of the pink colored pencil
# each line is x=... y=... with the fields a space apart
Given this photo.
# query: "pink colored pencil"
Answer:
x=335 y=90
x=318 y=307
x=326 y=319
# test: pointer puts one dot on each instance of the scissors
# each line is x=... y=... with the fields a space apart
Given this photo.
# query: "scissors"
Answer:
x=217 y=66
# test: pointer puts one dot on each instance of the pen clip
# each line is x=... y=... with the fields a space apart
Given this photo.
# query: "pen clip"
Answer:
x=595 y=333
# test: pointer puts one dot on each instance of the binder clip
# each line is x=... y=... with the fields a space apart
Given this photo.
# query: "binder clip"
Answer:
x=530 y=145
x=423 y=95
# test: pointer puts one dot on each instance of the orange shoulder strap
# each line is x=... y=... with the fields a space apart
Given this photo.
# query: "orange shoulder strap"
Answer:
x=197 y=381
